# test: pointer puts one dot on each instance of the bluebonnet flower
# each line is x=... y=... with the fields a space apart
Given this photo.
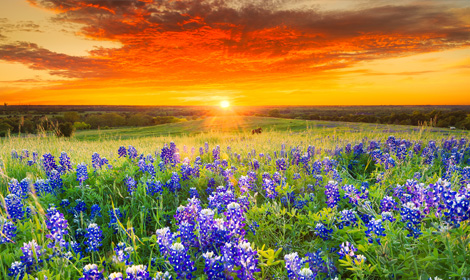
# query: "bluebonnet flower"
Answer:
x=318 y=265
x=114 y=215
x=137 y=272
x=297 y=176
x=82 y=173
x=95 y=211
x=270 y=188
x=17 y=270
x=388 y=216
x=347 y=218
x=7 y=231
x=173 y=184
x=115 y=276
x=20 y=189
x=235 y=219
x=293 y=264
x=255 y=164
x=90 y=272
x=186 y=234
x=353 y=194
x=189 y=212
x=64 y=161
x=332 y=194
x=14 y=207
x=14 y=154
x=48 y=162
x=64 y=203
x=181 y=261
x=216 y=153
x=375 y=229
x=93 y=237
x=242 y=255
x=131 y=184
x=457 y=209
x=214 y=267
x=162 y=276
x=221 y=198
x=57 y=225
x=247 y=261
x=80 y=206
x=164 y=239
x=32 y=254
x=346 y=248
x=412 y=217
x=387 y=204
x=193 y=193
x=169 y=155
x=322 y=231
x=42 y=187
x=154 y=187
x=122 y=152
x=281 y=164
x=131 y=152
x=96 y=161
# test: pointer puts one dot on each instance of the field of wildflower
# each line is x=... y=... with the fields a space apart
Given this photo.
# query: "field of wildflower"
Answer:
x=281 y=205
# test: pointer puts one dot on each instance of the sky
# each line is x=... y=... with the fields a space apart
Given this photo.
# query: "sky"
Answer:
x=246 y=52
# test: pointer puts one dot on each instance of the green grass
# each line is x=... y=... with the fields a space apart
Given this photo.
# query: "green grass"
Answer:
x=434 y=254
x=233 y=124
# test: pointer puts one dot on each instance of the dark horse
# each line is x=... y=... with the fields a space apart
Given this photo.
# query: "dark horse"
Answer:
x=257 y=131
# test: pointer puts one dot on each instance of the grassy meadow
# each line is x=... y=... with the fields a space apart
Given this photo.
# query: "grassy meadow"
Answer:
x=358 y=205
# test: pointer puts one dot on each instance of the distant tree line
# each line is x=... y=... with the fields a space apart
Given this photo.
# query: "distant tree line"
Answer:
x=64 y=120
x=64 y=124
x=458 y=119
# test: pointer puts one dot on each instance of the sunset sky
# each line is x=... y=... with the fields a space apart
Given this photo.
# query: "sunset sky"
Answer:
x=201 y=52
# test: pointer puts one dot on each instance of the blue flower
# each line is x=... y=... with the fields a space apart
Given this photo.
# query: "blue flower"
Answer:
x=214 y=267
x=64 y=161
x=82 y=173
x=122 y=253
x=114 y=215
x=137 y=272
x=93 y=237
x=181 y=261
x=375 y=229
x=14 y=207
x=154 y=187
x=322 y=231
x=7 y=231
x=90 y=272
x=131 y=184
x=115 y=276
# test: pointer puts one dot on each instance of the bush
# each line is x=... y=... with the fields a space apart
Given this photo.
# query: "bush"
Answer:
x=65 y=129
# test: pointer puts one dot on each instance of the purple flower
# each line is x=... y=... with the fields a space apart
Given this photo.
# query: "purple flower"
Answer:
x=346 y=248
x=281 y=164
x=332 y=194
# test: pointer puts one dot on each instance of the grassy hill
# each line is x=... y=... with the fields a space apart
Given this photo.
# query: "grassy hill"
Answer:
x=238 y=124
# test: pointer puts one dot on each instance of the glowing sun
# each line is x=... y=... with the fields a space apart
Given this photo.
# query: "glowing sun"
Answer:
x=224 y=104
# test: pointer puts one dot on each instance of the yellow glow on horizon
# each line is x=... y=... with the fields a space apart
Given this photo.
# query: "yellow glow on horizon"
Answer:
x=224 y=104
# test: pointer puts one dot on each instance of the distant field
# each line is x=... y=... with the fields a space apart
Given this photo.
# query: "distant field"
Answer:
x=233 y=124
